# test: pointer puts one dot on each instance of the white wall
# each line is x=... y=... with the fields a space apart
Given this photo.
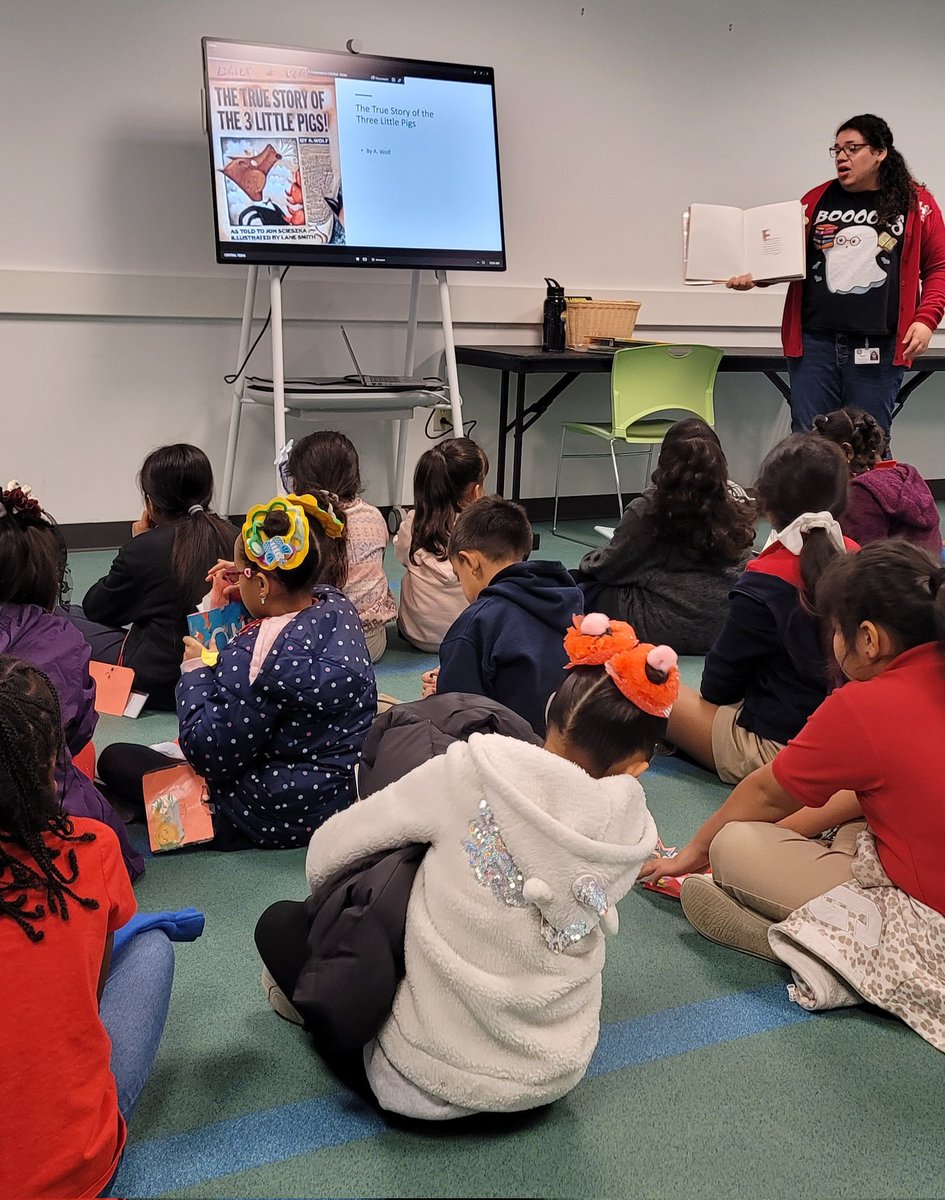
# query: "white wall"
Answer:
x=117 y=326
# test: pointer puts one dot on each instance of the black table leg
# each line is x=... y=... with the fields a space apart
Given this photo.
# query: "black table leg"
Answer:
x=503 y=433
x=906 y=391
x=784 y=388
x=518 y=437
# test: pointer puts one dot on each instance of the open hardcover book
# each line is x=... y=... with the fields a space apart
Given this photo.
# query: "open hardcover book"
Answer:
x=767 y=242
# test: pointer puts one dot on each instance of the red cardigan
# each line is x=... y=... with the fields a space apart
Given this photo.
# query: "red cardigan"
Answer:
x=923 y=262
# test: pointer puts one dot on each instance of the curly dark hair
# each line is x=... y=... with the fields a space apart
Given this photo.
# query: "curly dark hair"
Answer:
x=692 y=505
x=30 y=745
x=858 y=430
x=897 y=187
x=33 y=555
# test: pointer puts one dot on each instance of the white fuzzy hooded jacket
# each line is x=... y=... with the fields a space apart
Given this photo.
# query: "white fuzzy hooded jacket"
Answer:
x=499 y=1009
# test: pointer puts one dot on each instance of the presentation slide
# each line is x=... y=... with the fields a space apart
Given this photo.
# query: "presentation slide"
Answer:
x=325 y=157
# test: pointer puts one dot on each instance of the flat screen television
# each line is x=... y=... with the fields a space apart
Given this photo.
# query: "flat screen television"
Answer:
x=325 y=158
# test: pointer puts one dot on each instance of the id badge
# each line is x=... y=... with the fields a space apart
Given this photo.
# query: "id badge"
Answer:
x=865 y=356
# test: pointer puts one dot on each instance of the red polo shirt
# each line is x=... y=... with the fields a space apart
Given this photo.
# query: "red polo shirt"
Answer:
x=883 y=739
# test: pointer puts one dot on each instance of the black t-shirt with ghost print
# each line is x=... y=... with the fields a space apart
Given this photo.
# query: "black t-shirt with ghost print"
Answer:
x=852 y=283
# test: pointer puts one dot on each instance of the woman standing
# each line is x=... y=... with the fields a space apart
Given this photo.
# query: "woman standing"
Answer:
x=875 y=285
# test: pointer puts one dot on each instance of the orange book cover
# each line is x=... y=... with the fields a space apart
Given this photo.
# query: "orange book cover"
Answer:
x=177 y=806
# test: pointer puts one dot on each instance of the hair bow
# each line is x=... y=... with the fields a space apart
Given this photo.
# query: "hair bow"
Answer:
x=269 y=551
x=791 y=536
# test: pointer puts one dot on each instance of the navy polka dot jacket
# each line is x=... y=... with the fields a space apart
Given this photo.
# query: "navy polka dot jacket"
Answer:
x=279 y=753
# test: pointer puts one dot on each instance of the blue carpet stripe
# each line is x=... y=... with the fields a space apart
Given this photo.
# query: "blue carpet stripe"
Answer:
x=693 y=1027
x=272 y=1135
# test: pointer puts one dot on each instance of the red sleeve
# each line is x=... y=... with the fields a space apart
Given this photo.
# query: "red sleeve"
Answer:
x=931 y=265
x=122 y=905
x=833 y=752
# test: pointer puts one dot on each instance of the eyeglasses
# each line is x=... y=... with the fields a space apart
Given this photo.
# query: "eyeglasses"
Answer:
x=233 y=576
x=849 y=150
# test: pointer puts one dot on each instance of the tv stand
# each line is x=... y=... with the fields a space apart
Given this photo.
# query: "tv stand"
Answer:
x=397 y=406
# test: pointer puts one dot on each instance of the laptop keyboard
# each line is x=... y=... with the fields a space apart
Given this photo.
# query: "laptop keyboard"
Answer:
x=382 y=380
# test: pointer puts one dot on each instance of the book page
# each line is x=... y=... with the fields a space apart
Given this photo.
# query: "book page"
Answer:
x=774 y=242
x=716 y=243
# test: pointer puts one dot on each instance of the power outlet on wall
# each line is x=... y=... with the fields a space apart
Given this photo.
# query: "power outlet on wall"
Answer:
x=442 y=421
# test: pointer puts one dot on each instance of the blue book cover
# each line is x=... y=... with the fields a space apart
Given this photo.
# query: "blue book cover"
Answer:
x=215 y=628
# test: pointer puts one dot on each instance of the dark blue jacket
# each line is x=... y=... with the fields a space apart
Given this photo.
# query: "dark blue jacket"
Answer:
x=770 y=654
x=509 y=644
x=279 y=753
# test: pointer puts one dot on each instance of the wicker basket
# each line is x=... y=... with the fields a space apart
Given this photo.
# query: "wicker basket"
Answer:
x=586 y=319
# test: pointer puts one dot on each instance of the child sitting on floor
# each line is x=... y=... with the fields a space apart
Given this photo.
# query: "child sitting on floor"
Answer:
x=32 y=567
x=872 y=749
x=276 y=723
x=887 y=499
x=530 y=849
x=449 y=476
x=507 y=644
x=71 y=1073
x=767 y=671
x=679 y=547
x=158 y=577
x=329 y=461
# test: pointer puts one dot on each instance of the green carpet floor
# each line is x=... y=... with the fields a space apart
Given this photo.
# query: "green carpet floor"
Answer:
x=707 y=1081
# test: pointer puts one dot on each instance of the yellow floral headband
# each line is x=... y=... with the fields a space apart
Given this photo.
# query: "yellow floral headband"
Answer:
x=286 y=550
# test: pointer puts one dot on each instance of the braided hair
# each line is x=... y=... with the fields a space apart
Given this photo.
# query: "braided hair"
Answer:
x=857 y=429
x=30 y=743
x=897 y=187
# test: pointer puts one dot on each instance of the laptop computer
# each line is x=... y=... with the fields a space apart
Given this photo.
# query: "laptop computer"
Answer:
x=354 y=384
x=384 y=382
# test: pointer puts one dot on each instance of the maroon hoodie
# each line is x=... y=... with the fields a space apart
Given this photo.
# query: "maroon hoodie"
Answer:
x=892 y=500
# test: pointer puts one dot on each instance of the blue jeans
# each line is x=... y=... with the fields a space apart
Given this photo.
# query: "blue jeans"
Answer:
x=826 y=378
x=134 y=1009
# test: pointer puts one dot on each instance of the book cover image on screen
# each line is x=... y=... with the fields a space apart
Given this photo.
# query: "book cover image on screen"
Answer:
x=323 y=157
x=767 y=242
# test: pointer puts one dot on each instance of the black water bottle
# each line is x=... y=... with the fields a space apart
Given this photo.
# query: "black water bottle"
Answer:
x=552 y=324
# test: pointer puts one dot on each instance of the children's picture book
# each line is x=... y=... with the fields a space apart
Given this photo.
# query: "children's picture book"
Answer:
x=767 y=242
x=669 y=885
x=177 y=807
x=215 y=628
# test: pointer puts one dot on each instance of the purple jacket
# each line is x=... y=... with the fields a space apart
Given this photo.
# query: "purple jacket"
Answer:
x=892 y=500
x=55 y=646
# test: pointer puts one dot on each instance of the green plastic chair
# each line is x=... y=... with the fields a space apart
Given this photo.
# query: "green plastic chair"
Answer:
x=647 y=380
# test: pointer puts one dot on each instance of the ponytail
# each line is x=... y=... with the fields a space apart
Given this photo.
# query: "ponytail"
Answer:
x=441 y=481
x=891 y=583
x=177 y=481
x=199 y=541
x=818 y=553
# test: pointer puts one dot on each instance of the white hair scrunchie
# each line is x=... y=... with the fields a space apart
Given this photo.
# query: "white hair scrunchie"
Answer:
x=791 y=536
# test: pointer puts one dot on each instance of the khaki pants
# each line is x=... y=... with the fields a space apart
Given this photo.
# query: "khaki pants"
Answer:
x=737 y=751
x=774 y=871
